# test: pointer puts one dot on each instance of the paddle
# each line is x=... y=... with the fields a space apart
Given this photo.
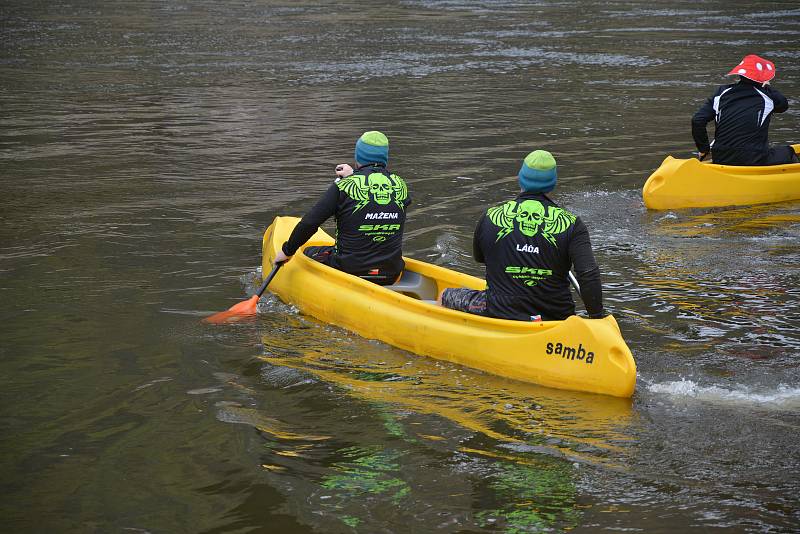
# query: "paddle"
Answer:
x=247 y=307
x=574 y=282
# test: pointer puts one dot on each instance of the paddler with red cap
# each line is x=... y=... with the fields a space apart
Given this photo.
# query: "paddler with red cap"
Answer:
x=741 y=112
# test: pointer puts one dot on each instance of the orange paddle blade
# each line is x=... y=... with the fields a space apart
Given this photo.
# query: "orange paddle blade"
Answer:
x=246 y=308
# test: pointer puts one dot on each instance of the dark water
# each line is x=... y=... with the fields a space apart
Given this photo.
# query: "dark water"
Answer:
x=144 y=148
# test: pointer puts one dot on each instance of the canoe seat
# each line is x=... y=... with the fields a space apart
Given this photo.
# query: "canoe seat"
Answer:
x=415 y=285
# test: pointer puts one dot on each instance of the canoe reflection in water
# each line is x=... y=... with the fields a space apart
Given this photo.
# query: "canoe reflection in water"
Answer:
x=563 y=423
x=427 y=435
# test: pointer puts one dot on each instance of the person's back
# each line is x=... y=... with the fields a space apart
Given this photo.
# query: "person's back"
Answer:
x=528 y=245
x=370 y=210
x=742 y=113
x=370 y=218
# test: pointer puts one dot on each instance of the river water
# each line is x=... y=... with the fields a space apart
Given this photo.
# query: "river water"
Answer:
x=145 y=147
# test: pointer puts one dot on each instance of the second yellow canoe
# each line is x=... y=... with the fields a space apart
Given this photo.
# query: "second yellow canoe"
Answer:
x=689 y=183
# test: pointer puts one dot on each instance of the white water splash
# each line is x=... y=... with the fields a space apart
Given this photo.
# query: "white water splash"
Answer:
x=782 y=397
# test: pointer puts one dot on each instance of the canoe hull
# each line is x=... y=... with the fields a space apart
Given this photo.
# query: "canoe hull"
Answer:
x=575 y=354
x=688 y=183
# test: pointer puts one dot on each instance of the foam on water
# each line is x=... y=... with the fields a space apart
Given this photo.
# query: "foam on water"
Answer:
x=783 y=397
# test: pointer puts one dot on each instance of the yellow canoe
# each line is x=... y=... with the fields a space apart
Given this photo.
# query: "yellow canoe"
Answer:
x=689 y=183
x=575 y=354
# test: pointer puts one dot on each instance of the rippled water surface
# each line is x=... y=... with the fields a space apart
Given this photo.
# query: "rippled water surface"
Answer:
x=145 y=147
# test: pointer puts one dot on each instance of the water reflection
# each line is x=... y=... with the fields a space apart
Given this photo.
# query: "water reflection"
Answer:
x=427 y=437
x=735 y=223
x=574 y=425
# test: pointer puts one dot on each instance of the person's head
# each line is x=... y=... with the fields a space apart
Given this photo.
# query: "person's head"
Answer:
x=372 y=147
x=754 y=68
x=538 y=172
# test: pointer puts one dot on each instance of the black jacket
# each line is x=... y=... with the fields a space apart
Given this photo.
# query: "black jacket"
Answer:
x=370 y=210
x=528 y=245
x=742 y=112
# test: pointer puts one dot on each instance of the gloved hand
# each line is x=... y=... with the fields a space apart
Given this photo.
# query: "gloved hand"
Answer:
x=344 y=170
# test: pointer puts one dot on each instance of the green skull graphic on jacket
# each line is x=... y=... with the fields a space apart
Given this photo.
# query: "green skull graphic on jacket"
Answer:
x=530 y=215
x=359 y=187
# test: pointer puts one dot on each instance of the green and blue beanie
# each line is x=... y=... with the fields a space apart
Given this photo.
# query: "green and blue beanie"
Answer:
x=538 y=172
x=372 y=147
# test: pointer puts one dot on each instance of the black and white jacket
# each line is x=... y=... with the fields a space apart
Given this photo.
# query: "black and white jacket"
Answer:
x=741 y=112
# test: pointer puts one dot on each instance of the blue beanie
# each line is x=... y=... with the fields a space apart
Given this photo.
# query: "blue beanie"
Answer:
x=372 y=147
x=538 y=172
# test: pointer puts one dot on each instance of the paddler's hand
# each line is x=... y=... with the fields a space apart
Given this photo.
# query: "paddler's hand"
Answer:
x=280 y=257
x=344 y=170
x=702 y=155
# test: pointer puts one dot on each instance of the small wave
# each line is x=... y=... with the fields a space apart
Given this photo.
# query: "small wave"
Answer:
x=793 y=54
x=783 y=397
x=648 y=83
x=540 y=56
x=780 y=14
x=450 y=252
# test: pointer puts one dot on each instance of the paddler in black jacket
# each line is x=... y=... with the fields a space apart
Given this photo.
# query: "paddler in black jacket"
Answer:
x=742 y=112
x=369 y=205
x=528 y=245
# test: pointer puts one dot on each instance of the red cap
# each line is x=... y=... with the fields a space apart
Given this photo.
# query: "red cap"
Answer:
x=755 y=68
